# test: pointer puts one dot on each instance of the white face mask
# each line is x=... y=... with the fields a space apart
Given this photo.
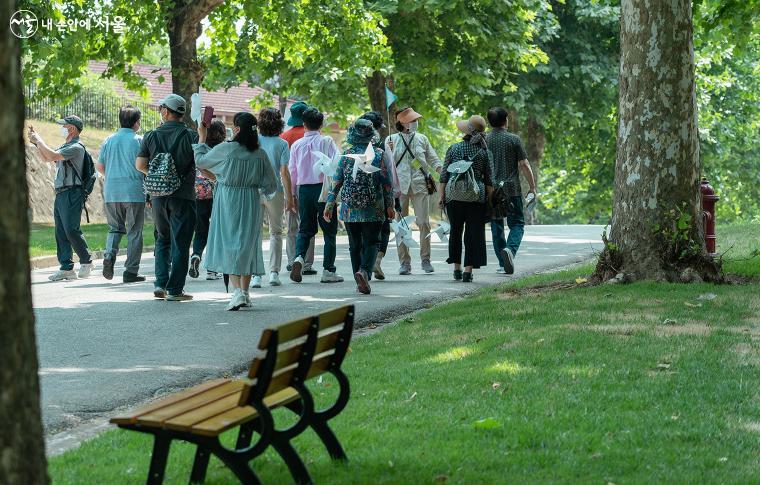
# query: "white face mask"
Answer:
x=412 y=126
x=64 y=132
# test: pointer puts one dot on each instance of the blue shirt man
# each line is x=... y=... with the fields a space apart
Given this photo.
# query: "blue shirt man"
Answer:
x=124 y=196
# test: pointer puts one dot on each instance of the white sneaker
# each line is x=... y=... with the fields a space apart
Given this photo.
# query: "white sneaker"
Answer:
x=274 y=279
x=237 y=301
x=63 y=274
x=85 y=270
x=500 y=270
x=256 y=282
x=331 y=277
x=247 y=296
x=295 y=271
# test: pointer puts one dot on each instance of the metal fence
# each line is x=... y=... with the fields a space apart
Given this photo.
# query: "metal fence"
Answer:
x=97 y=110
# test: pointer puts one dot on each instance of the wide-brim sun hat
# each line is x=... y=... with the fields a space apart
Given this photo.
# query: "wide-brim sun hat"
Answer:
x=296 y=113
x=474 y=123
x=361 y=132
x=407 y=116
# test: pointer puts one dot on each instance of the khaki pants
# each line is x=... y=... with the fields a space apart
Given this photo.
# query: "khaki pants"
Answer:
x=421 y=211
x=275 y=209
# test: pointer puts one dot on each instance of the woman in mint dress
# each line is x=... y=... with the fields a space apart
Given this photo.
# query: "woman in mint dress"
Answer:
x=243 y=173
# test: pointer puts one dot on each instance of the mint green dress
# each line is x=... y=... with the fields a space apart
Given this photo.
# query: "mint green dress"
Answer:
x=242 y=176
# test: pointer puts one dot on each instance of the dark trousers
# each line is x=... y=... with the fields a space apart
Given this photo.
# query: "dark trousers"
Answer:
x=310 y=211
x=467 y=218
x=385 y=236
x=516 y=224
x=67 y=212
x=203 y=218
x=363 y=239
x=175 y=222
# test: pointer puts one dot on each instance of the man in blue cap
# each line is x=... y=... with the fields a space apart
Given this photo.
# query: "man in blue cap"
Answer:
x=295 y=133
x=174 y=215
x=69 y=198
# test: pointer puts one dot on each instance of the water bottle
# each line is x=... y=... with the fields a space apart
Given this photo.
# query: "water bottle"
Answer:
x=530 y=202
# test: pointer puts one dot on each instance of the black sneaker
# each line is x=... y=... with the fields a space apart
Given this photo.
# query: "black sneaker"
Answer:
x=195 y=262
x=129 y=277
x=466 y=277
x=289 y=267
x=108 y=268
x=362 y=285
x=457 y=274
x=509 y=262
x=159 y=293
x=309 y=271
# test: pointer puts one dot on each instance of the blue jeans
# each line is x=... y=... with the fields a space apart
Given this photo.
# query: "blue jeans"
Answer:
x=310 y=211
x=67 y=211
x=516 y=224
x=175 y=223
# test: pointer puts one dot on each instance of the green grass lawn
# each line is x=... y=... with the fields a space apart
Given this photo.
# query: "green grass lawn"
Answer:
x=635 y=383
x=42 y=238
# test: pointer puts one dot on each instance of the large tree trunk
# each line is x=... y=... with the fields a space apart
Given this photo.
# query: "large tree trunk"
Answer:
x=184 y=28
x=376 y=91
x=22 y=449
x=535 y=141
x=656 y=228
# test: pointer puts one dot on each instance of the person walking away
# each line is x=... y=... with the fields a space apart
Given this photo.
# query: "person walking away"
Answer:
x=465 y=194
x=124 y=195
x=312 y=187
x=295 y=133
x=174 y=215
x=415 y=161
x=69 y=160
x=385 y=232
x=278 y=152
x=366 y=202
x=243 y=173
x=509 y=159
x=204 y=202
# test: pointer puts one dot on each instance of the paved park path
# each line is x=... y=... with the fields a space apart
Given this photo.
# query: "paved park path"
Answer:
x=104 y=345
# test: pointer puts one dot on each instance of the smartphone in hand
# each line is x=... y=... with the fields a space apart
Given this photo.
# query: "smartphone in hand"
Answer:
x=208 y=115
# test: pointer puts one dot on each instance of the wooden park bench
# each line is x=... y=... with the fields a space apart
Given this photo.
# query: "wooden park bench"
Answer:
x=288 y=355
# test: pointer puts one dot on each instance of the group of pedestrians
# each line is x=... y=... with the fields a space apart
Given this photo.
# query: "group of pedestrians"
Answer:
x=303 y=182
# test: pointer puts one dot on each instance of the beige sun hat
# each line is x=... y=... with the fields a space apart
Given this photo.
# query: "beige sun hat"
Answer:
x=407 y=116
x=475 y=123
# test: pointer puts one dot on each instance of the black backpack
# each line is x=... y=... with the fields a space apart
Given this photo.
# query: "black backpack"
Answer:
x=87 y=178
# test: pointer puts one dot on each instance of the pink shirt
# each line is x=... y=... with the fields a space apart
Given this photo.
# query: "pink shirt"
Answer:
x=301 y=164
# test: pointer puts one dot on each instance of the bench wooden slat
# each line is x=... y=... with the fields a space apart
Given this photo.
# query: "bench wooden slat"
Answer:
x=334 y=317
x=290 y=356
x=168 y=400
x=157 y=417
x=185 y=421
x=220 y=423
x=319 y=365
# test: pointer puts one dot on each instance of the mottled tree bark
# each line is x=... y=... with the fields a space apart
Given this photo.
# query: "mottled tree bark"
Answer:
x=657 y=168
x=22 y=449
x=535 y=141
x=184 y=28
x=376 y=91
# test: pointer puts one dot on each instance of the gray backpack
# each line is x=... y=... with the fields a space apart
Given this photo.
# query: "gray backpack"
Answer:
x=163 y=178
x=462 y=185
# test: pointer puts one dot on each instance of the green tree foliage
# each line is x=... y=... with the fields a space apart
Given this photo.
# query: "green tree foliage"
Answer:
x=320 y=51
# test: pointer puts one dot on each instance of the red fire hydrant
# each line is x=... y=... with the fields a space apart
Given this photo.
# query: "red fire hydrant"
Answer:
x=708 y=215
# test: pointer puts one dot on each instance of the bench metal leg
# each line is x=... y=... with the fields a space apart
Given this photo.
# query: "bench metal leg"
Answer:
x=329 y=439
x=158 y=459
x=239 y=467
x=245 y=435
x=295 y=464
x=200 y=465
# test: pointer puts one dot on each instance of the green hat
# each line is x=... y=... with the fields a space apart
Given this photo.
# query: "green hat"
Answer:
x=72 y=120
x=296 y=113
x=361 y=132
